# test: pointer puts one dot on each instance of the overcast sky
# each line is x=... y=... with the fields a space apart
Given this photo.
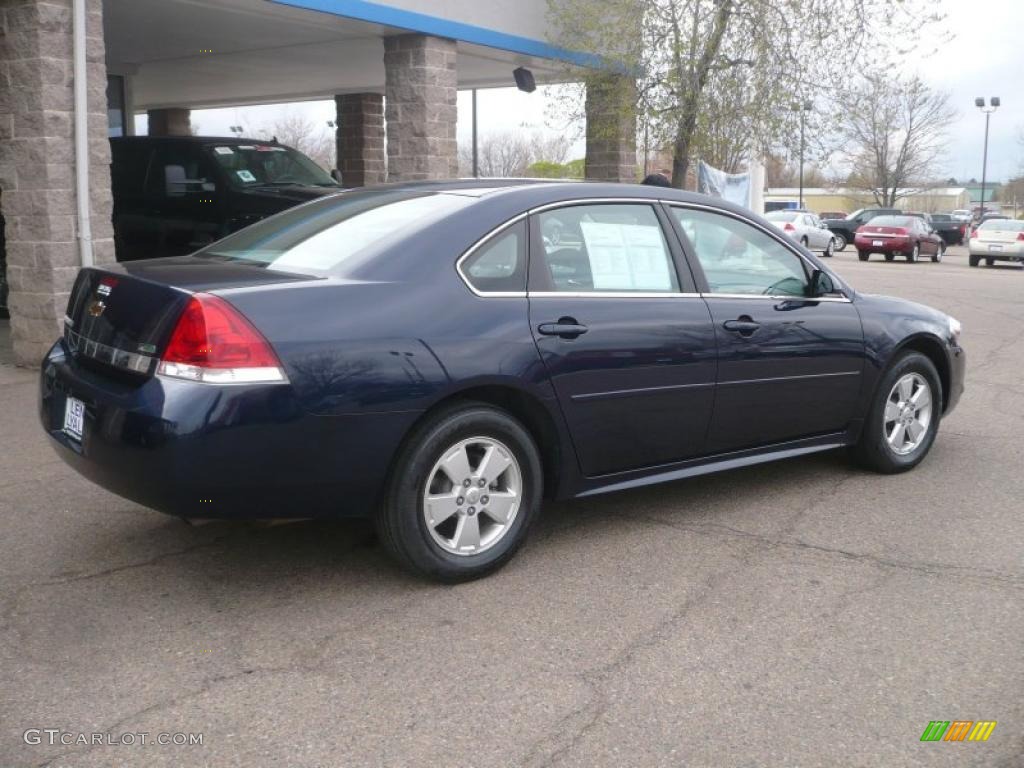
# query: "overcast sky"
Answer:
x=985 y=57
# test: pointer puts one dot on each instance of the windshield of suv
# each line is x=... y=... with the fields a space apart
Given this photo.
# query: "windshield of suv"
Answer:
x=254 y=165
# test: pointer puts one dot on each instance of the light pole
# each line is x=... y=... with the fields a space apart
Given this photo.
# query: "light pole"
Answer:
x=993 y=105
x=802 y=108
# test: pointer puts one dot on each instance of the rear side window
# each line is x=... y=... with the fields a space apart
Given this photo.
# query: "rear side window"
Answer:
x=499 y=265
x=610 y=248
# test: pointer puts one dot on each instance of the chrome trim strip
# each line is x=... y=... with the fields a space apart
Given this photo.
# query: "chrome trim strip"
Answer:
x=472 y=249
x=616 y=393
x=839 y=299
x=787 y=378
x=612 y=295
x=119 y=358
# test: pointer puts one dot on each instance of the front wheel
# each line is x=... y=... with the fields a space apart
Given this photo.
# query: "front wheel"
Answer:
x=904 y=417
x=840 y=242
x=830 y=249
x=937 y=256
x=462 y=495
x=915 y=254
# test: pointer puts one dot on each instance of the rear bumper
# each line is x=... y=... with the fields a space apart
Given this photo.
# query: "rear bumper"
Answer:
x=195 y=450
x=888 y=244
x=1010 y=251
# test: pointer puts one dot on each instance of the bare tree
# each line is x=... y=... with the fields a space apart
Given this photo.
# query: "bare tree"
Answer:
x=502 y=154
x=895 y=131
x=719 y=77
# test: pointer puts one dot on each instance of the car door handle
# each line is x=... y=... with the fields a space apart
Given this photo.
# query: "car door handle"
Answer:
x=566 y=327
x=743 y=325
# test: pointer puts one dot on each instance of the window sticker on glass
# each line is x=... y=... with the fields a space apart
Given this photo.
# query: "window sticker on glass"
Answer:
x=245 y=175
x=224 y=150
x=626 y=257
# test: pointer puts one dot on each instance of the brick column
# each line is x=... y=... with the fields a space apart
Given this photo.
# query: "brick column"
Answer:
x=173 y=121
x=37 y=167
x=420 y=107
x=611 y=128
x=360 y=138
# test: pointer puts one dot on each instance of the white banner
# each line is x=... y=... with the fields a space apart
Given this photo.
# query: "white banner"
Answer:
x=734 y=187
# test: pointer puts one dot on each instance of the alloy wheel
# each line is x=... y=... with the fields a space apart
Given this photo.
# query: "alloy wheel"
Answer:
x=908 y=414
x=472 y=496
x=830 y=249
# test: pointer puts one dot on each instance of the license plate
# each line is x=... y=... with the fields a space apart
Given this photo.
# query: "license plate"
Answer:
x=995 y=247
x=74 y=417
x=876 y=243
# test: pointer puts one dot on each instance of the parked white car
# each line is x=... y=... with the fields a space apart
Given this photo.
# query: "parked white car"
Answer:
x=997 y=240
x=806 y=228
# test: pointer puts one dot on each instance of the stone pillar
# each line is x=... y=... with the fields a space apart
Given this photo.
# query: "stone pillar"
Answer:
x=611 y=128
x=37 y=165
x=420 y=107
x=360 y=138
x=173 y=121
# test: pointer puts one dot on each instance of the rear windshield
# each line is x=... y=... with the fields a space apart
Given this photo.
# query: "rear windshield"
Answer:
x=1004 y=225
x=781 y=216
x=892 y=221
x=333 y=233
x=941 y=217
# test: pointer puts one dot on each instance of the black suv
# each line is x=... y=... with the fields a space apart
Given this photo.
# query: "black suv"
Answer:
x=175 y=194
x=844 y=229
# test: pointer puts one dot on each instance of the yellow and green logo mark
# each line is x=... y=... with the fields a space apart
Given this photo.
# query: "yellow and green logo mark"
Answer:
x=958 y=730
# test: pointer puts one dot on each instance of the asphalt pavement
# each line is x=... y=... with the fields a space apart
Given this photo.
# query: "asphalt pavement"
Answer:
x=803 y=613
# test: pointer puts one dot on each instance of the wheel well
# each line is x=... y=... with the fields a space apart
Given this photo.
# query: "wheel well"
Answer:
x=529 y=411
x=932 y=349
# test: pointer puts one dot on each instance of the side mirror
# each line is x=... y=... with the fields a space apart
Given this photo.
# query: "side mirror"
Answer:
x=821 y=284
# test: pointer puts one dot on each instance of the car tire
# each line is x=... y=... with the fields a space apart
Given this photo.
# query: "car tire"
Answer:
x=890 y=256
x=464 y=431
x=803 y=241
x=937 y=256
x=863 y=255
x=830 y=249
x=973 y=260
x=915 y=254
x=990 y=262
x=882 y=447
x=840 y=242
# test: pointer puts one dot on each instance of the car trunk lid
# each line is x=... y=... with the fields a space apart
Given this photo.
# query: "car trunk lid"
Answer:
x=120 y=317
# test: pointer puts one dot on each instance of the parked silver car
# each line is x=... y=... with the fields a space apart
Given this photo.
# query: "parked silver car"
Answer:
x=806 y=228
x=997 y=240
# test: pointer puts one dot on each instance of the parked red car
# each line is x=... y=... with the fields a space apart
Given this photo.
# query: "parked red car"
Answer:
x=894 y=236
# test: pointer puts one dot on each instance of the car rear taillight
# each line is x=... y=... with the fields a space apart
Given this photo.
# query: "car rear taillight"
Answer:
x=213 y=343
x=974 y=232
x=1020 y=236
x=787 y=227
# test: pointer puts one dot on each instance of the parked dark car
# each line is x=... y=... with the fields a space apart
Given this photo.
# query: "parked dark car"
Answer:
x=950 y=228
x=845 y=229
x=175 y=194
x=443 y=356
x=903 y=235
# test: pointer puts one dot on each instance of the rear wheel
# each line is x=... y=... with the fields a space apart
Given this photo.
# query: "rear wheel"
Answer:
x=890 y=256
x=937 y=256
x=973 y=260
x=904 y=417
x=463 y=493
x=863 y=255
x=803 y=241
x=990 y=262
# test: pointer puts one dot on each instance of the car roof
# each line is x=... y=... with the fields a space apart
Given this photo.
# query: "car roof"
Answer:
x=193 y=140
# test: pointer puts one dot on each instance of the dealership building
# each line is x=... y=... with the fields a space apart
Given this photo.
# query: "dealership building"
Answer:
x=74 y=72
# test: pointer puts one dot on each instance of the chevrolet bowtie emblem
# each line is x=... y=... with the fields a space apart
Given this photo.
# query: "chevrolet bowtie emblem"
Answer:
x=96 y=308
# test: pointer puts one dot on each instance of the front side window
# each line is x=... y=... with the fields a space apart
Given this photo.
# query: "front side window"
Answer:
x=606 y=248
x=499 y=265
x=739 y=258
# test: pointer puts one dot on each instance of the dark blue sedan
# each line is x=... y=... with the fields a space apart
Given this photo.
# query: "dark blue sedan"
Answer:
x=442 y=357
